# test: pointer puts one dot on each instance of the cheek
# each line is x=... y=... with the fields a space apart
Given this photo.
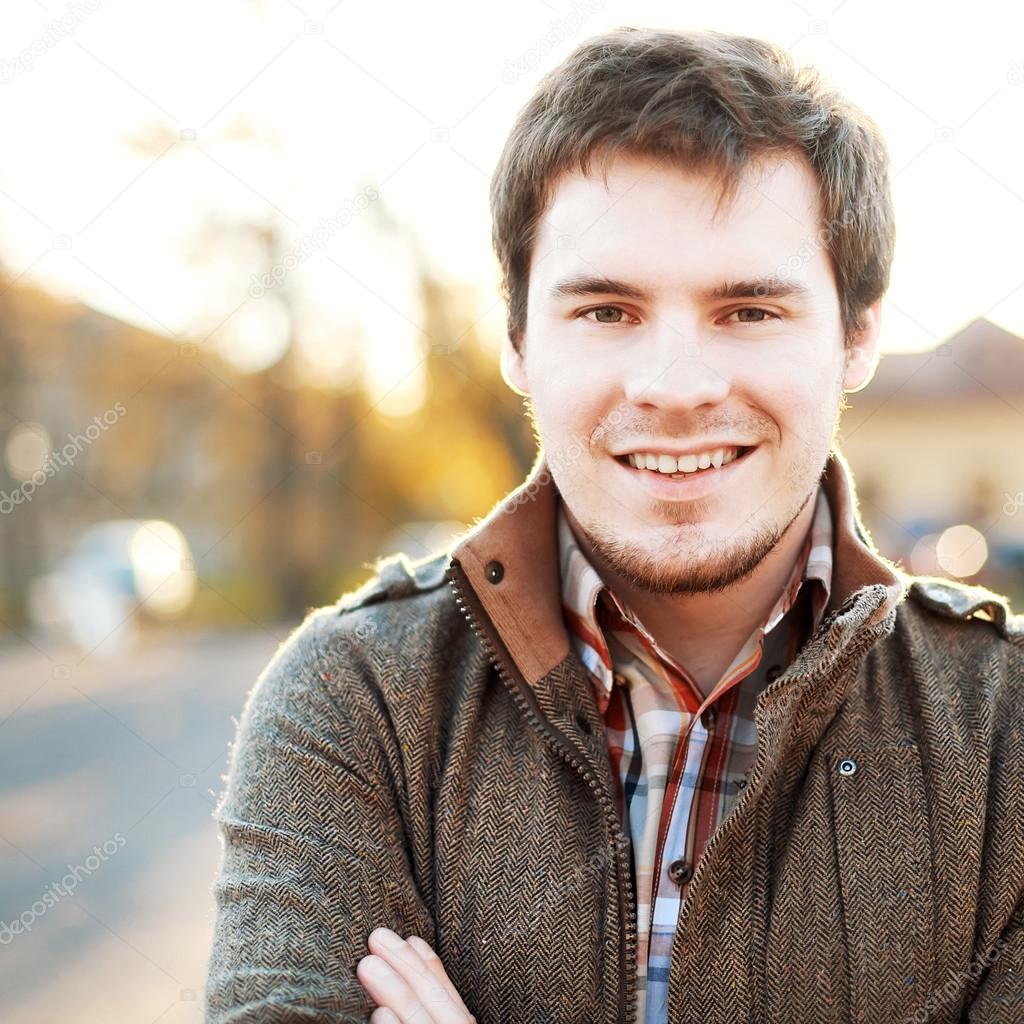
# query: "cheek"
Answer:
x=572 y=398
x=794 y=394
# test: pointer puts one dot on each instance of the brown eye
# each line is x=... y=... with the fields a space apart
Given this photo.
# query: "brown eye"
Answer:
x=756 y=319
x=607 y=314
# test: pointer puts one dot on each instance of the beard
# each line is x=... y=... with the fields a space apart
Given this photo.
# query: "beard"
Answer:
x=690 y=563
x=687 y=559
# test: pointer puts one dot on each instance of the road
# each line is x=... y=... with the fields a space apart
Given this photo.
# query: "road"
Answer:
x=109 y=771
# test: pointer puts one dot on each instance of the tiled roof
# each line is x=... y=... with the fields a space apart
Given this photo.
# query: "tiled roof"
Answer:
x=981 y=360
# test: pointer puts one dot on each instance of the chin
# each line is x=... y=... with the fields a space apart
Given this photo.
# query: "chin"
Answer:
x=694 y=563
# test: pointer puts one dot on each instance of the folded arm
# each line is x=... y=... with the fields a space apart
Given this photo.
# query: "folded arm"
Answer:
x=314 y=850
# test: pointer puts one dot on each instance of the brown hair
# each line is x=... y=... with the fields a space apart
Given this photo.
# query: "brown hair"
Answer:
x=710 y=102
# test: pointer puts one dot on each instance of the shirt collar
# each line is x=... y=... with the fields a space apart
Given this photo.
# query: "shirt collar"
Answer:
x=582 y=587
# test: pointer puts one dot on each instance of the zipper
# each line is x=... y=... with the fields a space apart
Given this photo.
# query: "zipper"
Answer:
x=468 y=604
x=759 y=760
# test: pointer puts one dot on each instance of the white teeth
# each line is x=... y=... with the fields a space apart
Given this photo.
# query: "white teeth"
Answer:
x=669 y=464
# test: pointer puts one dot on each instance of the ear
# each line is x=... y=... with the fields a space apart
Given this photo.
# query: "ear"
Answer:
x=513 y=368
x=862 y=354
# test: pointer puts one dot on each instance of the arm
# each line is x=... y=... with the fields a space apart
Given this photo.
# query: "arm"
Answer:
x=314 y=853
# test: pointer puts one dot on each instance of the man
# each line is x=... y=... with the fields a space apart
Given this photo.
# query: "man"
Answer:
x=664 y=737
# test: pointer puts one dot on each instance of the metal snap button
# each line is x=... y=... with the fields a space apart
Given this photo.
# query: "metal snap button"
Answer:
x=495 y=571
x=847 y=766
x=680 y=871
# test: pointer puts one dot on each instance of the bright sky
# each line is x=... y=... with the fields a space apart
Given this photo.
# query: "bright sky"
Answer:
x=128 y=182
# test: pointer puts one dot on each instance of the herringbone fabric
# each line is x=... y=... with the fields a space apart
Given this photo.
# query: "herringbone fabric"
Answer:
x=427 y=755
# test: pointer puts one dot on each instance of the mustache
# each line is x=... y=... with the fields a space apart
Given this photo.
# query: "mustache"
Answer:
x=605 y=436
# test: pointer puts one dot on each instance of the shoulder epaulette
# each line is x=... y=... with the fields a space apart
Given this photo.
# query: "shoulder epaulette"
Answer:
x=396 y=576
x=958 y=600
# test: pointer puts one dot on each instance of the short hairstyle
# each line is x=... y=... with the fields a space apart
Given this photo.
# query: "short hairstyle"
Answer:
x=707 y=102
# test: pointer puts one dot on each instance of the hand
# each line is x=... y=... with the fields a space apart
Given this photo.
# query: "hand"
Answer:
x=407 y=981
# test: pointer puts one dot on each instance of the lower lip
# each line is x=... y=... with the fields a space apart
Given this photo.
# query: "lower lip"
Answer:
x=688 y=488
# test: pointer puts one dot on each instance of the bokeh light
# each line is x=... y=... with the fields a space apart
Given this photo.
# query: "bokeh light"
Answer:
x=961 y=550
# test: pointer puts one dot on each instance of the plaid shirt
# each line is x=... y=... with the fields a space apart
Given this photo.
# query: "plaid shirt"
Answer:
x=681 y=761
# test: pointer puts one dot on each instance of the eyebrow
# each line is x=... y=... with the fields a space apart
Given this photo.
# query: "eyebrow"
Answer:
x=766 y=287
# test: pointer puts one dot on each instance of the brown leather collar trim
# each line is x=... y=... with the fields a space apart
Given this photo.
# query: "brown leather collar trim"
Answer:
x=525 y=605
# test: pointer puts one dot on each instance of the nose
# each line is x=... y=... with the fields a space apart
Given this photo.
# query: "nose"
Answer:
x=675 y=371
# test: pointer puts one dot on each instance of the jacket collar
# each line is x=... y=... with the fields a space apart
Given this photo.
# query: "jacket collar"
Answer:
x=524 y=604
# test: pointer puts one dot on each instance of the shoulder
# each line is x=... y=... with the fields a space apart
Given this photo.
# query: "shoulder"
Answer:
x=343 y=640
x=335 y=673
x=404 y=600
x=961 y=602
x=972 y=643
x=394 y=578
x=963 y=622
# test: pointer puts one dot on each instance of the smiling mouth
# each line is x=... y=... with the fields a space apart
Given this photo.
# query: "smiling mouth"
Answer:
x=741 y=453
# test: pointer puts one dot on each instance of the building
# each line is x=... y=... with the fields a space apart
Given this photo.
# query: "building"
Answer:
x=936 y=440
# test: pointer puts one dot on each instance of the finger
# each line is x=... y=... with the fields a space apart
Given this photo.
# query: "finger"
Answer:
x=389 y=991
x=441 y=1001
x=436 y=967
x=382 y=1015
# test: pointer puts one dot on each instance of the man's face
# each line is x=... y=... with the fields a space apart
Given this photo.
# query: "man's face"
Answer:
x=629 y=350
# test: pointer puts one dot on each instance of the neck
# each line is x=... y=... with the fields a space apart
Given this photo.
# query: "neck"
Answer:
x=705 y=631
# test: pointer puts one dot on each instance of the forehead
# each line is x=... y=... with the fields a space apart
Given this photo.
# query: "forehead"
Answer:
x=646 y=218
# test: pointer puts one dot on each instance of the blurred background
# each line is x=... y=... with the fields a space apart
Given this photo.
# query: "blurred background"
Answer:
x=249 y=330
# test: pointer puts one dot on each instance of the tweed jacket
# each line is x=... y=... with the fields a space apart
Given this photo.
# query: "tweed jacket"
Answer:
x=427 y=755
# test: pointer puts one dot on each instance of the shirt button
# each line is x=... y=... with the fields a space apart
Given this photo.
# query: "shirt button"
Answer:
x=709 y=717
x=680 y=871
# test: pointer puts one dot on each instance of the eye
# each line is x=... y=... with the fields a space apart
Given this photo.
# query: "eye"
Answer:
x=604 y=314
x=765 y=314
